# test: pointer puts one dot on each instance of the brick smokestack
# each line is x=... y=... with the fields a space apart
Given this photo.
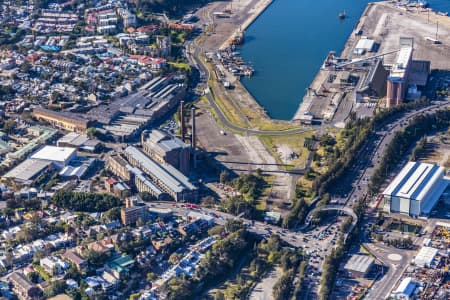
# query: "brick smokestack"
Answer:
x=193 y=137
x=182 y=123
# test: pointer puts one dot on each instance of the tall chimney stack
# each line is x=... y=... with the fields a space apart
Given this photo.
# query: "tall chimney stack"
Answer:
x=182 y=124
x=193 y=137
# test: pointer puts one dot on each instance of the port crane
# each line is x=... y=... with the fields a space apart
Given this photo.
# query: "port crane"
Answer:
x=355 y=61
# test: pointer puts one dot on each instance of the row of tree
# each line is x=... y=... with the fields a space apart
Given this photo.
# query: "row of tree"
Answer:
x=263 y=259
x=419 y=150
x=341 y=158
x=171 y=6
x=331 y=264
x=293 y=263
x=402 y=141
x=297 y=214
x=356 y=134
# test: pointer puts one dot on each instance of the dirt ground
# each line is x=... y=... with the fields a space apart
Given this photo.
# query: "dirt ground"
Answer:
x=241 y=154
x=386 y=24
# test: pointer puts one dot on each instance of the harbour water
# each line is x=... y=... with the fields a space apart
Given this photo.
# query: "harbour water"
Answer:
x=288 y=43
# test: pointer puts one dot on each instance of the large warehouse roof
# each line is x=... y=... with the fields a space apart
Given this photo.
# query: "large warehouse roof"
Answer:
x=359 y=263
x=53 y=153
x=27 y=170
x=415 y=181
x=171 y=177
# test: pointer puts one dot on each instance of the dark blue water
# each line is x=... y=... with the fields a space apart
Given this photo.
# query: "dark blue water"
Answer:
x=288 y=43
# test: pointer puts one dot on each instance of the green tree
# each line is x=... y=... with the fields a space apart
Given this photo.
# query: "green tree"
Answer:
x=33 y=277
x=56 y=287
x=175 y=258
x=151 y=276
x=111 y=214
x=224 y=177
x=216 y=230
x=88 y=202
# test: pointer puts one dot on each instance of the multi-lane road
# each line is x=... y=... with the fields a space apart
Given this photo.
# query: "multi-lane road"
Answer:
x=360 y=188
x=366 y=163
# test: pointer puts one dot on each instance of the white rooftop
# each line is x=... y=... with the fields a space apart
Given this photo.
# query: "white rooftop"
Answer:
x=365 y=44
x=406 y=287
x=415 y=181
x=425 y=256
x=403 y=58
x=53 y=153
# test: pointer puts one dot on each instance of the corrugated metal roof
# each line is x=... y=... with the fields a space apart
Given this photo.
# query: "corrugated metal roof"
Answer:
x=74 y=138
x=406 y=287
x=415 y=181
x=170 y=176
x=425 y=256
x=139 y=174
x=399 y=68
x=165 y=141
x=359 y=263
x=27 y=169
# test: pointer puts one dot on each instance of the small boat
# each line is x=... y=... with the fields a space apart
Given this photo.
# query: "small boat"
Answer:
x=237 y=38
x=422 y=3
x=342 y=15
x=442 y=13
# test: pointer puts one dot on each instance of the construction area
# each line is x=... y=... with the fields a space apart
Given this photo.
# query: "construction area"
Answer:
x=242 y=154
x=426 y=277
x=357 y=79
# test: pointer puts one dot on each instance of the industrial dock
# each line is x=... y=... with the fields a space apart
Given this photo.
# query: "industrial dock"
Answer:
x=371 y=52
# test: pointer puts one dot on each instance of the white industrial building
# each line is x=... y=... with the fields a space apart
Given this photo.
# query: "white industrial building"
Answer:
x=59 y=156
x=364 y=45
x=405 y=290
x=416 y=189
x=425 y=257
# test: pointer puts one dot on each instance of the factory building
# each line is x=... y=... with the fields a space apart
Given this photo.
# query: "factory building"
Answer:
x=144 y=184
x=134 y=176
x=397 y=82
x=372 y=84
x=425 y=257
x=58 y=156
x=405 y=290
x=118 y=166
x=79 y=141
x=364 y=45
x=126 y=117
x=359 y=265
x=415 y=190
x=165 y=148
x=67 y=121
x=166 y=177
x=28 y=171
